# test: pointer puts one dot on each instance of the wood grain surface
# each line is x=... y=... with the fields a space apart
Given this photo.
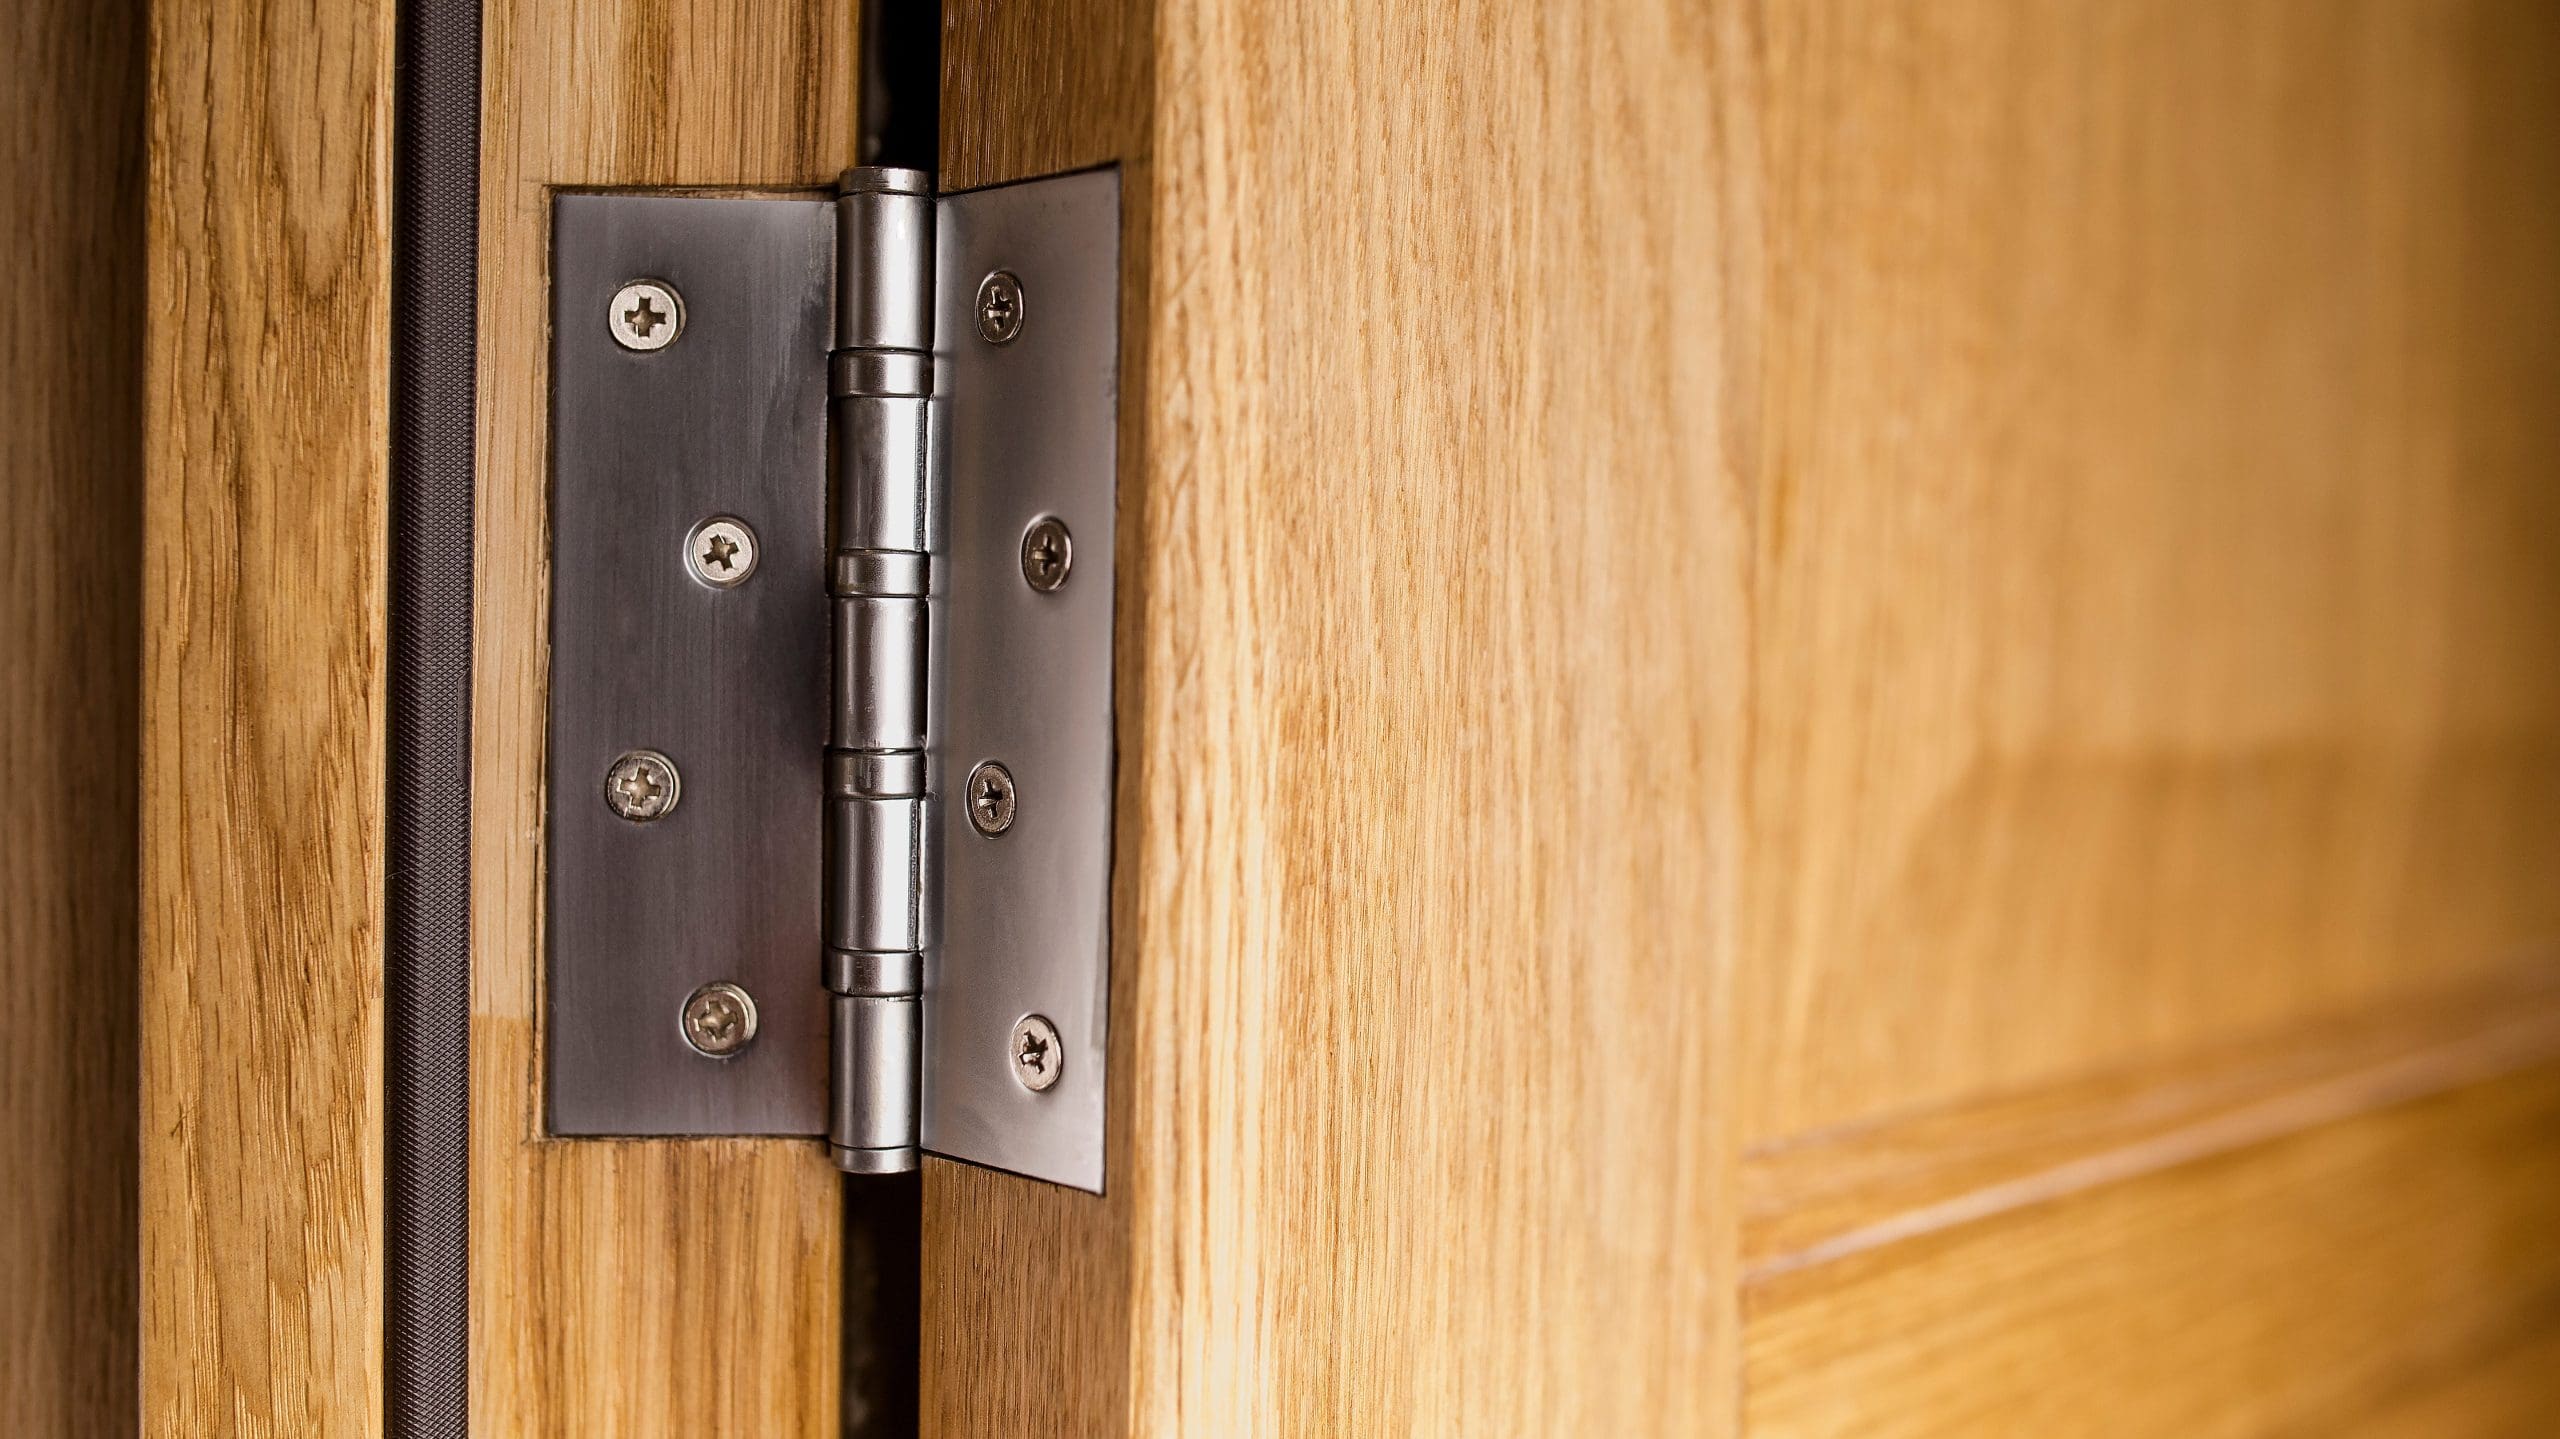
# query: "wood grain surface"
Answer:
x=2155 y=765
x=1427 y=732
x=2158 y=546
x=1821 y=1197
x=1916 y=638
x=266 y=423
x=2281 y=1289
x=2503 y=1392
x=629 y=1288
x=71 y=474
x=1832 y=719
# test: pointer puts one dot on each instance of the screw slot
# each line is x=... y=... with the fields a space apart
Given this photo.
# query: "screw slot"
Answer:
x=718 y=1020
x=1037 y=1055
x=647 y=315
x=990 y=796
x=721 y=552
x=1047 y=553
x=642 y=785
x=1000 y=308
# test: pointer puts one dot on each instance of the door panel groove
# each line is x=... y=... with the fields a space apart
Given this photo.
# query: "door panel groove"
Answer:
x=1823 y=1198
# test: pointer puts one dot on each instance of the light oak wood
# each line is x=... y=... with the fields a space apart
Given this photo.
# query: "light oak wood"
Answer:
x=1832 y=719
x=1891 y=665
x=2501 y=1393
x=71 y=476
x=1427 y=732
x=2157 y=574
x=2158 y=550
x=1819 y=1198
x=625 y=1288
x=266 y=451
x=2277 y=1289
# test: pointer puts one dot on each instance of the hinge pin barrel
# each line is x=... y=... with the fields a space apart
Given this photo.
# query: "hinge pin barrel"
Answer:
x=880 y=386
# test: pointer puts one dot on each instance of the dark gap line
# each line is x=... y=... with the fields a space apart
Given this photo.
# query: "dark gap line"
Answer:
x=435 y=256
x=900 y=108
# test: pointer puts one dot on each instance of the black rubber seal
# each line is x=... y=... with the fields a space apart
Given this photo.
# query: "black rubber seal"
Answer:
x=435 y=258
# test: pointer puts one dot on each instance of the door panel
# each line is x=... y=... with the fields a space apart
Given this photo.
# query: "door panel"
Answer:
x=2276 y=1287
x=2157 y=582
x=2159 y=559
x=1430 y=652
x=1834 y=719
x=2504 y=1391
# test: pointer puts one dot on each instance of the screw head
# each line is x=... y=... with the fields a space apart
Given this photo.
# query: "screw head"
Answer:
x=719 y=1020
x=1000 y=308
x=647 y=315
x=1047 y=551
x=990 y=796
x=642 y=785
x=1037 y=1055
x=721 y=552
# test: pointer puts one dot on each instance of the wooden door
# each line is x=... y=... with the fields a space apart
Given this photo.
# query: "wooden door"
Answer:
x=1832 y=719
x=1837 y=719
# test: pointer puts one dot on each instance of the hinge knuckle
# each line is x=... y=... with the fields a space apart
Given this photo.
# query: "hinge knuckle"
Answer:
x=884 y=260
x=884 y=449
x=872 y=901
x=872 y=1127
x=880 y=386
x=880 y=672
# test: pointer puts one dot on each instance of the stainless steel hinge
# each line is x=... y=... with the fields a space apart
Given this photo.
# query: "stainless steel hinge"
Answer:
x=829 y=824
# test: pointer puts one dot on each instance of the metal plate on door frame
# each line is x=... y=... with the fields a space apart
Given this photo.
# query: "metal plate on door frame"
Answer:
x=651 y=439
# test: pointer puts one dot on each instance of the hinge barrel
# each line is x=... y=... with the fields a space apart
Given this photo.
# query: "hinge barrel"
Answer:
x=880 y=386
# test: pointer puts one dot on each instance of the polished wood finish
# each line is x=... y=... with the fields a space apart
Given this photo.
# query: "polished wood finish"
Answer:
x=1807 y=691
x=1832 y=720
x=2505 y=1393
x=2270 y=1290
x=71 y=476
x=2156 y=740
x=2158 y=557
x=266 y=442
x=1819 y=1198
x=630 y=1288
x=1428 y=644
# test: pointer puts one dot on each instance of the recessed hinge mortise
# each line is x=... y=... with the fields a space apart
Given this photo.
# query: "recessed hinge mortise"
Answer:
x=860 y=451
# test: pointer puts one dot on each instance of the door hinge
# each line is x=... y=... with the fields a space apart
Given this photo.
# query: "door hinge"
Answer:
x=829 y=826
